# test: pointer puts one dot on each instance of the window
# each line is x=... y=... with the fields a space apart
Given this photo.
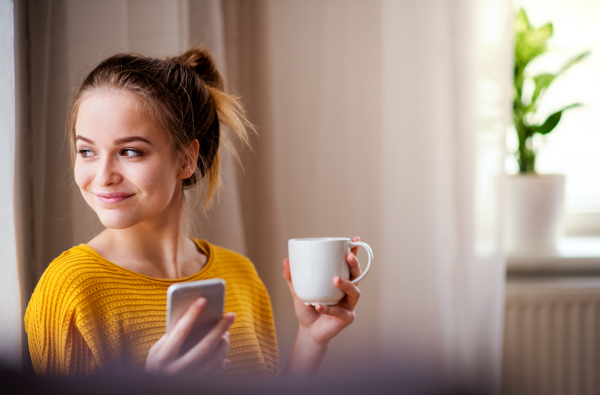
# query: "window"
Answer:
x=573 y=148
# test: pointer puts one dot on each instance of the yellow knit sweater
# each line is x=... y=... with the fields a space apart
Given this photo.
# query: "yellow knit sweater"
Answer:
x=88 y=314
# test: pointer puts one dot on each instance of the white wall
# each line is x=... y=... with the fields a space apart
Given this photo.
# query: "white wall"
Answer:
x=10 y=306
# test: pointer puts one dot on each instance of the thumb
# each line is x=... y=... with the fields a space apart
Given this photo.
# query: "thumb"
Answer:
x=287 y=275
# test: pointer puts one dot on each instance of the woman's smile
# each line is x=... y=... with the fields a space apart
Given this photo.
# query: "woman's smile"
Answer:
x=113 y=197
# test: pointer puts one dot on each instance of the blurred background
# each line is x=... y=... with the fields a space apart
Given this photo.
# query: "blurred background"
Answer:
x=571 y=149
x=387 y=119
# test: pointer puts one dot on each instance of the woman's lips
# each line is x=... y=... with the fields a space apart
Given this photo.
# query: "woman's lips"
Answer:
x=112 y=197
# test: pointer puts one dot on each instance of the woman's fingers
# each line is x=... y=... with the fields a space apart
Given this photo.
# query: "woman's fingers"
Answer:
x=216 y=363
x=355 y=271
x=351 y=290
x=287 y=275
x=345 y=316
x=355 y=249
x=158 y=345
x=353 y=261
x=177 y=336
x=226 y=364
x=206 y=347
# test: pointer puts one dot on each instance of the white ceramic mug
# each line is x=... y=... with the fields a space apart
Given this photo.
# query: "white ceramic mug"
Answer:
x=314 y=262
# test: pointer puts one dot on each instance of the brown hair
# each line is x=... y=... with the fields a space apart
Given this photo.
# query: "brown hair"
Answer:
x=184 y=95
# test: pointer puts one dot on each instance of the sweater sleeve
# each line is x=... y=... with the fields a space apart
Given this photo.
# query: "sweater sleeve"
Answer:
x=265 y=326
x=254 y=341
x=55 y=343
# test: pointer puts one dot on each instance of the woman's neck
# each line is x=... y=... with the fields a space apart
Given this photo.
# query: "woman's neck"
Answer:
x=155 y=247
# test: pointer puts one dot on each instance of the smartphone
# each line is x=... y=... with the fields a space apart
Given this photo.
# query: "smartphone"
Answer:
x=179 y=298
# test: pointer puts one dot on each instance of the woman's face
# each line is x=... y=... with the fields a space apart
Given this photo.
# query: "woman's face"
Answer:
x=125 y=166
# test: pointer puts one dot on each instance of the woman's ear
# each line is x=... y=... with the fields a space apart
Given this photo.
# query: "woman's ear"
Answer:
x=190 y=160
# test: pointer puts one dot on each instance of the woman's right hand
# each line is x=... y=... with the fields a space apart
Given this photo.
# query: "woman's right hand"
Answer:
x=206 y=357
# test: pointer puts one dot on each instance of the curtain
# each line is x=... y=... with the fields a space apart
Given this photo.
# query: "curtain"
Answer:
x=445 y=113
x=383 y=119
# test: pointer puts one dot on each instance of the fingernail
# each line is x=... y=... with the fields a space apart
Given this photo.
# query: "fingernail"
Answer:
x=338 y=280
x=200 y=302
x=227 y=363
x=231 y=317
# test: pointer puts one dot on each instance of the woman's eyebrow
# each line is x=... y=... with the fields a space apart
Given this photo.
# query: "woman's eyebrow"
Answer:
x=130 y=139
x=117 y=141
x=78 y=137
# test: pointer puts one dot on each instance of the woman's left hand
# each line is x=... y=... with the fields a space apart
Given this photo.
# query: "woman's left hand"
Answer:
x=322 y=323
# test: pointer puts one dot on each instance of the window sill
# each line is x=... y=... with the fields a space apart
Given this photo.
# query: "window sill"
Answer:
x=576 y=256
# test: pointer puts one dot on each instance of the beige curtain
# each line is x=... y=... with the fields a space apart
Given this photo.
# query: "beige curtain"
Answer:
x=383 y=119
x=310 y=73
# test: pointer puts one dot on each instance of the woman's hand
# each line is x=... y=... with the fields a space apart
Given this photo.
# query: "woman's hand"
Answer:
x=320 y=324
x=206 y=357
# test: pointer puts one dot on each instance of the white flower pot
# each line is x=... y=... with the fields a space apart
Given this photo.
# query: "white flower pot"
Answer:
x=534 y=210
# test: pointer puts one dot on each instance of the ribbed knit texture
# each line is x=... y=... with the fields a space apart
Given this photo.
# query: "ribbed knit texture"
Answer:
x=88 y=314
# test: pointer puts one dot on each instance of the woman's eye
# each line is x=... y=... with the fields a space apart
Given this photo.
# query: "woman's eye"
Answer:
x=85 y=153
x=131 y=152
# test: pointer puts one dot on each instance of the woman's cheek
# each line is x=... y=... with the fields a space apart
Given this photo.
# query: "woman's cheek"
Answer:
x=158 y=179
x=82 y=176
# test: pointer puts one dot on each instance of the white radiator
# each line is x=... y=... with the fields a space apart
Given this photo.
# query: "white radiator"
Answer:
x=552 y=337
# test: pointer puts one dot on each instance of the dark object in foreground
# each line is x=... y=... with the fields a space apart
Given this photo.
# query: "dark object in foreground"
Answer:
x=133 y=383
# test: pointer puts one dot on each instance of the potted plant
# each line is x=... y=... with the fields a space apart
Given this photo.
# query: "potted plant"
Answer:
x=535 y=202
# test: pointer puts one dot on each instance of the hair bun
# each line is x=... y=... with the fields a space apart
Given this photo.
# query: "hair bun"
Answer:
x=204 y=65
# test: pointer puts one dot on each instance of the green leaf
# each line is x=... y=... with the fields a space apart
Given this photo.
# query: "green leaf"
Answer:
x=542 y=82
x=522 y=22
x=574 y=60
x=529 y=42
x=553 y=120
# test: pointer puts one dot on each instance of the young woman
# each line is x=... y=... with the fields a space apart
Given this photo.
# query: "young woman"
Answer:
x=143 y=130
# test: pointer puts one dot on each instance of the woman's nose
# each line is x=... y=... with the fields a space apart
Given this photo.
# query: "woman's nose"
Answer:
x=108 y=172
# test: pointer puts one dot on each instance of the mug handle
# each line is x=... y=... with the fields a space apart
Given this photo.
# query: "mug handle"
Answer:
x=369 y=252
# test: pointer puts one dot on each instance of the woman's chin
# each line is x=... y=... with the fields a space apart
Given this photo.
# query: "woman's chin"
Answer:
x=117 y=223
